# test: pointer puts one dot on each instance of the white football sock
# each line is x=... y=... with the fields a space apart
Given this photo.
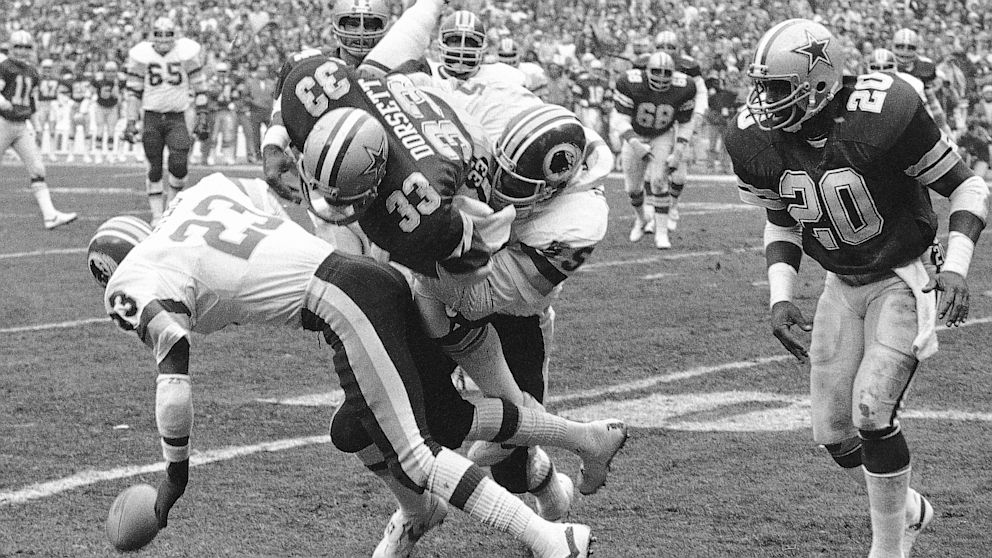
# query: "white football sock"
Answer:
x=887 y=500
x=44 y=199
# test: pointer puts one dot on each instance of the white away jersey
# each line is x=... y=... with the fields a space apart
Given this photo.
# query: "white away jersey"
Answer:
x=165 y=83
x=259 y=267
x=494 y=95
x=545 y=248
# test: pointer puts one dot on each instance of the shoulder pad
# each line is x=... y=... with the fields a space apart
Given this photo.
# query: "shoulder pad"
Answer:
x=187 y=48
x=635 y=76
x=680 y=79
x=878 y=108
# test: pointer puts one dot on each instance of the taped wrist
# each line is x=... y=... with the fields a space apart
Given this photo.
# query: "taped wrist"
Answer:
x=782 y=279
x=174 y=414
x=884 y=451
x=960 y=250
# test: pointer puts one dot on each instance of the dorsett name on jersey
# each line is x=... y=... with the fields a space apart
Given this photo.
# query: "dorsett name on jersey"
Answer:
x=861 y=199
x=394 y=117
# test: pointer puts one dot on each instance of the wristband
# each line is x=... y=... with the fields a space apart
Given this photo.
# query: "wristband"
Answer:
x=781 y=282
x=681 y=139
x=960 y=249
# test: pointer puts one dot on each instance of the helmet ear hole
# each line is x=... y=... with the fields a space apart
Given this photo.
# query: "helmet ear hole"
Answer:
x=821 y=86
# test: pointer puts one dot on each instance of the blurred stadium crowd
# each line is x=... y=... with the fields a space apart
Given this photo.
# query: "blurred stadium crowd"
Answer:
x=566 y=47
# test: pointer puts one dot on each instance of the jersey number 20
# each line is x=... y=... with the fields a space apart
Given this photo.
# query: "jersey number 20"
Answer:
x=846 y=201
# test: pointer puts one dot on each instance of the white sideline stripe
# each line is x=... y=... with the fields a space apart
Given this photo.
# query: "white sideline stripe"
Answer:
x=711 y=178
x=92 y=191
x=44 y=489
x=658 y=276
x=57 y=325
x=36 y=253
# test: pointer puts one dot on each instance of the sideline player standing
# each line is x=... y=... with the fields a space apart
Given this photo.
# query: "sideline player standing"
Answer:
x=843 y=167
x=163 y=73
x=18 y=101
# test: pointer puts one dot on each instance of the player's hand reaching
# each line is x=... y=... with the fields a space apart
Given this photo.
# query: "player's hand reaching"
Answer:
x=785 y=315
x=170 y=490
x=276 y=162
x=130 y=133
x=953 y=299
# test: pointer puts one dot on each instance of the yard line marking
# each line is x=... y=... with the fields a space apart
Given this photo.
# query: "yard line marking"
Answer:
x=676 y=256
x=57 y=325
x=721 y=179
x=91 y=191
x=658 y=276
x=84 y=478
x=35 y=253
x=50 y=488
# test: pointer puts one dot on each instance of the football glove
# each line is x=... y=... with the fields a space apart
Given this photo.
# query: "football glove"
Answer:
x=202 y=127
x=276 y=162
x=170 y=490
x=131 y=132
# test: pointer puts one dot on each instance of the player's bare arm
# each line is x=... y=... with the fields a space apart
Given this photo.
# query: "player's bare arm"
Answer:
x=783 y=254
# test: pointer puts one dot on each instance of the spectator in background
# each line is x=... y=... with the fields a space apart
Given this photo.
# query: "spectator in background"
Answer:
x=559 y=88
x=261 y=87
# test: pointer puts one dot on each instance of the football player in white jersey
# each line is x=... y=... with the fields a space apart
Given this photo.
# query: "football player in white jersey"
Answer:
x=163 y=75
x=462 y=44
x=18 y=102
x=224 y=254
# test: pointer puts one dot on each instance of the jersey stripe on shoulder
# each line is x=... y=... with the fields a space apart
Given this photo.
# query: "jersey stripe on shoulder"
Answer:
x=164 y=311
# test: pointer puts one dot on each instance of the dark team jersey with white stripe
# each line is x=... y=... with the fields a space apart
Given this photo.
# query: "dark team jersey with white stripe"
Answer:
x=652 y=112
x=862 y=199
x=19 y=83
x=591 y=89
x=430 y=155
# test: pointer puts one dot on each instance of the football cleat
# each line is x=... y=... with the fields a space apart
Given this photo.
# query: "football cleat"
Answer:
x=914 y=530
x=607 y=437
x=637 y=231
x=649 y=226
x=567 y=540
x=662 y=242
x=403 y=532
x=60 y=219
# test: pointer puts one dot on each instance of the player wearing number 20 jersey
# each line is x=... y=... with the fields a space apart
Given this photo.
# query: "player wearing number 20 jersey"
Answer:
x=861 y=199
x=434 y=152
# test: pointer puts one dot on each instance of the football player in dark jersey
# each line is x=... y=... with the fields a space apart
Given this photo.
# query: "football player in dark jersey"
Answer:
x=843 y=167
x=44 y=118
x=18 y=101
x=653 y=109
x=107 y=92
x=906 y=47
x=358 y=26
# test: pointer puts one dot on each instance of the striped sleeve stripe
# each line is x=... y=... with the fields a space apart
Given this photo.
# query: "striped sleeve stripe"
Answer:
x=760 y=197
x=935 y=163
x=165 y=312
x=544 y=267
x=623 y=100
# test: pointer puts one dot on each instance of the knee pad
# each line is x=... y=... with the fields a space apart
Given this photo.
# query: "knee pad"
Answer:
x=676 y=187
x=347 y=432
x=178 y=160
x=511 y=473
x=884 y=451
x=154 y=167
x=847 y=454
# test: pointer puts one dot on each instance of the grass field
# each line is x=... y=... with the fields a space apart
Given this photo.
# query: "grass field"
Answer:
x=720 y=462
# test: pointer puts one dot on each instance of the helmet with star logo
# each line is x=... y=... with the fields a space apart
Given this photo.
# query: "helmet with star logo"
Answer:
x=797 y=70
x=342 y=164
x=539 y=151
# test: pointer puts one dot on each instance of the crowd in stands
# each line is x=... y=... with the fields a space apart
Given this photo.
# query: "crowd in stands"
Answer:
x=720 y=34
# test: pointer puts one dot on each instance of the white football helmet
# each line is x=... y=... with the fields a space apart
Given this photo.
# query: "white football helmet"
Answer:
x=797 y=70
x=359 y=25
x=112 y=242
x=163 y=35
x=882 y=60
x=342 y=164
x=462 y=42
x=507 y=52
x=21 y=45
x=667 y=41
x=905 y=45
x=539 y=151
x=222 y=68
x=660 y=70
